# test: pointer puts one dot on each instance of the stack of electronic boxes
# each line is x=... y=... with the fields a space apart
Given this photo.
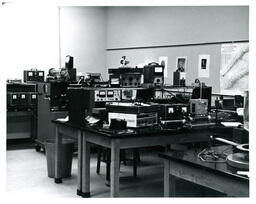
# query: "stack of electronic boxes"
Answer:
x=89 y=101
x=21 y=96
x=137 y=115
x=52 y=104
x=200 y=102
x=130 y=79
x=85 y=101
x=153 y=74
x=125 y=77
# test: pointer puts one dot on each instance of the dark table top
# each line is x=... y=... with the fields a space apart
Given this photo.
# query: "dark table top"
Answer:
x=150 y=131
x=190 y=157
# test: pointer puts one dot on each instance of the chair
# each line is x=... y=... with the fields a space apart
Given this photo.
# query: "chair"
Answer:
x=104 y=155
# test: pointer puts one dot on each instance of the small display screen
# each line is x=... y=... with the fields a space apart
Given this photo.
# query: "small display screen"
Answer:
x=171 y=110
x=23 y=96
x=114 y=81
x=33 y=96
x=40 y=73
x=102 y=93
x=30 y=73
x=110 y=93
x=184 y=109
x=159 y=69
x=14 y=96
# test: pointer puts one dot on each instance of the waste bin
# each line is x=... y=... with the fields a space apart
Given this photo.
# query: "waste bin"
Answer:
x=66 y=157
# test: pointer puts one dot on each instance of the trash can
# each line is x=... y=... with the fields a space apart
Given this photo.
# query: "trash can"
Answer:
x=66 y=157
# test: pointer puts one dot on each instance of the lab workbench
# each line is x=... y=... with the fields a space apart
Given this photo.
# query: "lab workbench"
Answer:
x=215 y=175
x=87 y=136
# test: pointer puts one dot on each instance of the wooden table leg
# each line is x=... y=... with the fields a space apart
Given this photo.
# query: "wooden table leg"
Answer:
x=114 y=177
x=79 y=164
x=98 y=159
x=166 y=178
x=58 y=152
x=108 y=167
x=167 y=148
x=135 y=162
x=85 y=168
x=172 y=186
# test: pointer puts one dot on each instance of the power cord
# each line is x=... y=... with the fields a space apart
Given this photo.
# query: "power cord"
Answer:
x=212 y=156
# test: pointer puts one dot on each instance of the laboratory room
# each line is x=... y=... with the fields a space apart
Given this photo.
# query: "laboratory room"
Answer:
x=127 y=101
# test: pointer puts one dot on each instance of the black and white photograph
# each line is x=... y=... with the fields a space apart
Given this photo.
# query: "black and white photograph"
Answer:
x=204 y=66
x=181 y=64
x=203 y=63
x=111 y=100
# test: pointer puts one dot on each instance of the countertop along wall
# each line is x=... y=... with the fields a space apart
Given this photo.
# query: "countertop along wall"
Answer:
x=184 y=31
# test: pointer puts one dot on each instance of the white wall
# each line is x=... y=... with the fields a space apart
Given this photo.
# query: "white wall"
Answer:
x=154 y=26
x=86 y=33
x=144 y=56
x=158 y=26
x=83 y=36
x=29 y=38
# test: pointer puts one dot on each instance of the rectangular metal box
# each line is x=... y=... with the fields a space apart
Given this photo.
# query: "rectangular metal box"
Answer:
x=199 y=106
x=33 y=76
x=19 y=96
x=52 y=104
x=132 y=108
x=135 y=120
x=154 y=74
x=56 y=93
x=125 y=77
x=81 y=103
x=173 y=111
